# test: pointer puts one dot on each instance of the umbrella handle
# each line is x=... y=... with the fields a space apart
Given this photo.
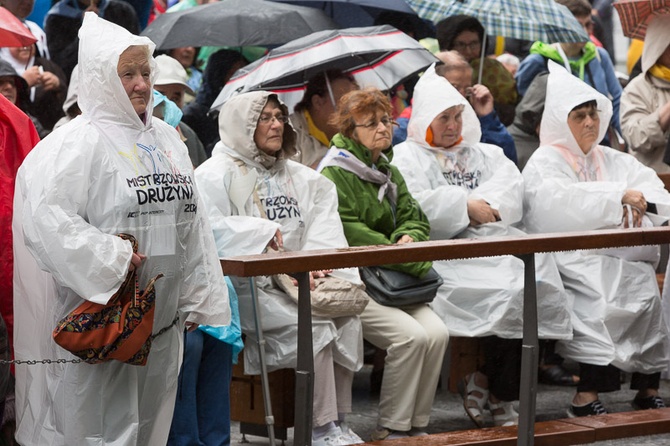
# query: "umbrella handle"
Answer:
x=330 y=90
x=481 y=59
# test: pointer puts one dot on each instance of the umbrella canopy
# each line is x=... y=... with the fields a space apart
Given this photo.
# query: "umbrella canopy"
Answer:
x=635 y=15
x=357 y=13
x=236 y=23
x=379 y=56
x=12 y=32
x=531 y=20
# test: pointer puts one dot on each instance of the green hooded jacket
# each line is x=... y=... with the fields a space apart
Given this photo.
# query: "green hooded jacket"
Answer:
x=366 y=221
x=548 y=51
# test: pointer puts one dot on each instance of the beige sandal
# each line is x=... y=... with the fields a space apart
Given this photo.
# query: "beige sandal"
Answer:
x=473 y=403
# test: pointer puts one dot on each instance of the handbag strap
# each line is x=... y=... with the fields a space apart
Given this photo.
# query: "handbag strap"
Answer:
x=131 y=276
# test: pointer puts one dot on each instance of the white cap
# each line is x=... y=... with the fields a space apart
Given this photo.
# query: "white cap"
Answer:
x=170 y=71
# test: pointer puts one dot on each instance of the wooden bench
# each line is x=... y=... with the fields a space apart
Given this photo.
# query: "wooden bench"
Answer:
x=299 y=263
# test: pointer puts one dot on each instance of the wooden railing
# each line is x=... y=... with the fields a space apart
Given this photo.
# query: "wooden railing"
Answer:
x=300 y=263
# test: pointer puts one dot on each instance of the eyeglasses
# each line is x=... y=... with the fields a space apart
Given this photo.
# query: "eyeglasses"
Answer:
x=374 y=124
x=580 y=116
x=461 y=46
x=266 y=119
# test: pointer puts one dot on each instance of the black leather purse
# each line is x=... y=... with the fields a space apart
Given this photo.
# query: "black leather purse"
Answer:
x=397 y=289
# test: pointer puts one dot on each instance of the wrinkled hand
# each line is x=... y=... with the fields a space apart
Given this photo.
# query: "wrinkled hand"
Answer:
x=49 y=81
x=636 y=199
x=191 y=326
x=313 y=275
x=637 y=216
x=481 y=100
x=32 y=76
x=404 y=239
x=277 y=242
x=136 y=261
x=480 y=212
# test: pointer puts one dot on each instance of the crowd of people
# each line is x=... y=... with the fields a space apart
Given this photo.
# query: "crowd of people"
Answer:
x=104 y=135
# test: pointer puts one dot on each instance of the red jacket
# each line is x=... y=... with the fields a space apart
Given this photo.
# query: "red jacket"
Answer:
x=17 y=137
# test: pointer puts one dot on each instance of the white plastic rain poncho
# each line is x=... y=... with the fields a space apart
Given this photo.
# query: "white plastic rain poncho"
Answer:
x=482 y=296
x=296 y=200
x=104 y=173
x=617 y=311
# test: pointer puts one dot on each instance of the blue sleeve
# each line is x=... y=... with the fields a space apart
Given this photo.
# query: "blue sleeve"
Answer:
x=613 y=86
x=494 y=132
x=400 y=132
x=530 y=66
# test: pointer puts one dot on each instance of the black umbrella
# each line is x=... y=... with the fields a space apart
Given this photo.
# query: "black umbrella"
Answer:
x=358 y=13
x=236 y=23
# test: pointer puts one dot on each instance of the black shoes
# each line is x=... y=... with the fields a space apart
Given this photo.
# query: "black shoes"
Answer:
x=592 y=408
x=597 y=408
x=650 y=402
x=557 y=375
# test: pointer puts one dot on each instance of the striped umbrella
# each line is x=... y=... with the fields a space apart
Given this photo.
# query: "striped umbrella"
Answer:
x=531 y=20
x=635 y=15
x=379 y=56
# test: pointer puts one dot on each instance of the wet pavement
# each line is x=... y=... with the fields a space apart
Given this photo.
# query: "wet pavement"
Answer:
x=448 y=414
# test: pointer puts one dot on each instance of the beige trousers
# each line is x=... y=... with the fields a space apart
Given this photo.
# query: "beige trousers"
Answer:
x=332 y=388
x=415 y=340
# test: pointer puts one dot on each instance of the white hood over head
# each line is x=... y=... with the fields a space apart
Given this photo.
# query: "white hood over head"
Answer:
x=100 y=45
x=565 y=92
x=238 y=120
x=432 y=95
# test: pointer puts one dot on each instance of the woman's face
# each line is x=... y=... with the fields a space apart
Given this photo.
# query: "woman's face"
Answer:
x=584 y=123
x=20 y=8
x=468 y=44
x=447 y=127
x=22 y=54
x=185 y=55
x=373 y=131
x=135 y=74
x=8 y=88
x=269 y=133
x=665 y=58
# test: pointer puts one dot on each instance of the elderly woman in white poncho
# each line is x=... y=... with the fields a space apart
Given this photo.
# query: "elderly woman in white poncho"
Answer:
x=256 y=197
x=574 y=184
x=470 y=189
x=80 y=186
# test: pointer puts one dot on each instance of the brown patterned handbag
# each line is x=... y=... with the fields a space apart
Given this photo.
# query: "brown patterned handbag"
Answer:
x=119 y=330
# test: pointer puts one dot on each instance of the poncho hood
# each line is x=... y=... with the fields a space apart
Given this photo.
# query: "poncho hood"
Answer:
x=432 y=95
x=565 y=92
x=101 y=94
x=22 y=91
x=655 y=41
x=237 y=123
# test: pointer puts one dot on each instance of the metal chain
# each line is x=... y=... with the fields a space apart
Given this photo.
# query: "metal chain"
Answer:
x=37 y=361
x=73 y=361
